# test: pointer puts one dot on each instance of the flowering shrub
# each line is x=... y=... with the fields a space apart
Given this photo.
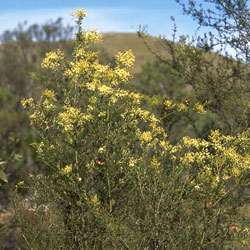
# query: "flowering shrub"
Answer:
x=113 y=180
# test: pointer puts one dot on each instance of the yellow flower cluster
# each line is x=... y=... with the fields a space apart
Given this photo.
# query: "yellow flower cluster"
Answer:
x=126 y=59
x=68 y=118
x=199 y=157
x=102 y=114
x=50 y=94
x=188 y=158
x=135 y=97
x=122 y=76
x=95 y=201
x=27 y=103
x=156 y=165
x=182 y=107
x=101 y=70
x=132 y=162
x=225 y=163
x=67 y=169
x=144 y=114
x=199 y=108
x=40 y=148
x=146 y=136
x=92 y=99
x=102 y=149
x=80 y=53
x=169 y=104
x=106 y=90
x=194 y=142
x=53 y=60
x=47 y=105
x=79 y=13
x=164 y=144
x=90 y=85
x=72 y=117
x=92 y=36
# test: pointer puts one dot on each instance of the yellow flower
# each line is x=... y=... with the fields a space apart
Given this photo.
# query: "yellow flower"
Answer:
x=48 y=106
x=81 y=52
x=136 y=97
x=197 y=143
x=27 y=102
x=169 y=104
x=50 y=94
x=102 y=149
x=122 y=75
x=235 y=171
x=144 y=114
x=92 y=36
x=40 y=148
x=146 y=136
x=132 y=162
x=53 y=60
x=188 y=158
x=102 y=114
x=153 y=118
x=182 y=107
x=104 y=89
x=72 y=117
x=113 y=99
x=95 y=200
x=67 y=169
x=164 y=144
x=90 y=108
x=93 y=100
x=156 y=164
x=68 y=118
x=20 y=184
x=80 y=13
x=126 y=59
x=199 y=108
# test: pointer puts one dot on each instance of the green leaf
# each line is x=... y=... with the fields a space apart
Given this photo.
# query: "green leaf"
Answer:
x=3 y=176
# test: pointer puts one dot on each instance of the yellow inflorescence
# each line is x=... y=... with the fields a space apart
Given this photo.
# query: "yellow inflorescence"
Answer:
x=126 y=59
x=79 y=13
x=27 y=103
x=146 y=136
x=169 y=104
x=199 y=108
x=53 y=60
x=48 y=106
x=50 y=94
x=132 y=162
x=106 y=90
x=95 y=201
x=182 y=107
x=92 y=36
x=122 y=75
x=71 y=118
x=67 y=169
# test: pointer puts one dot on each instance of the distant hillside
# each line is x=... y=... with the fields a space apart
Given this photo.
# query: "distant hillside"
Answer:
x=115 y=42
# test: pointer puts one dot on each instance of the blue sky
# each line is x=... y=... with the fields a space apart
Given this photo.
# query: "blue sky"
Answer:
x=105 y=15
